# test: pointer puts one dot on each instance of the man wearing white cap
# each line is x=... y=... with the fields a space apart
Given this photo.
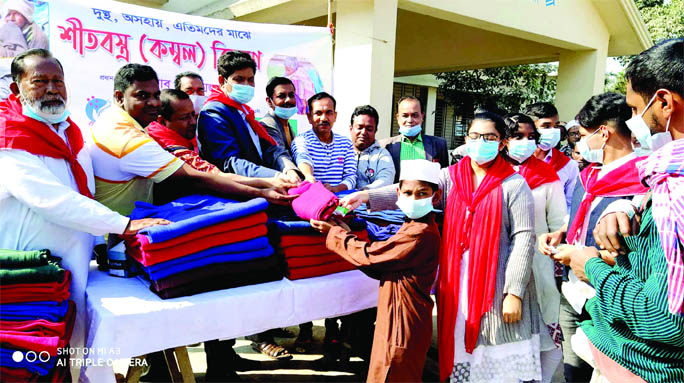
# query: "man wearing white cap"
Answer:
x=20 y=13
x=406 y=265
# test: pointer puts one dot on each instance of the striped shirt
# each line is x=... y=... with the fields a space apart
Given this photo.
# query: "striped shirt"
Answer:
x=332 y=163
x=412 y=150
x=630 y=321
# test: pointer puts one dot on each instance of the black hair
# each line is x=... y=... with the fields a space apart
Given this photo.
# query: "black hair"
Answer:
x=513 y=122
x=499 y=123
x=432 y=186
x=179 y=76
x=274 y=82
x=320 y=96
x=541 y=110
x=232 y=61
x=602 y=108
x=659 y=67
x=130 y=73
x=18 y=68
x=412 y=98
x=167 y=97
x=368 y=111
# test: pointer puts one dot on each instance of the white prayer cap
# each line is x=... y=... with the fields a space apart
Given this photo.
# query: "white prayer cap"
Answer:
x=571 y=124
x=22 y=6
x=419 y=170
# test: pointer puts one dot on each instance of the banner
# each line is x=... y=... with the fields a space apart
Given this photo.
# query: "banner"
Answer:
x=94 y=39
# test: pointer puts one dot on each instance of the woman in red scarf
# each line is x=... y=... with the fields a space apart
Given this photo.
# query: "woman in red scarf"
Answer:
x=488 y=316
x=549 y=216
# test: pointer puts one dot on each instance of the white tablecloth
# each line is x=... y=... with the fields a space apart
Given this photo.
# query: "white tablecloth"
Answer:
x=127 y=319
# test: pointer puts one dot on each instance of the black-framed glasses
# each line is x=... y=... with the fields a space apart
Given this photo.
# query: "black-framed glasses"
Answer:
x=573 y=134
x=487 y=136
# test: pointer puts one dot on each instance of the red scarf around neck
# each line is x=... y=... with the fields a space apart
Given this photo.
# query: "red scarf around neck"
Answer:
x=167 y=137
x=472 y=221
x=218 y=95
x=621 y=182
x=537 y=172
x=20 y=132
x=558 y=159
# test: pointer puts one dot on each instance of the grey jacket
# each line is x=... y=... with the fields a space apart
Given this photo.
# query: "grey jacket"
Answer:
x=374 y=167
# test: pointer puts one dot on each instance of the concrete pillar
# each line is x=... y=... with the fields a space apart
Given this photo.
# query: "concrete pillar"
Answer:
x=364 y=60
x=430 y=111
x=581 y=74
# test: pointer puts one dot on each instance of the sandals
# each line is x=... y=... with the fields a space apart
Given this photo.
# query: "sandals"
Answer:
x=272 y=350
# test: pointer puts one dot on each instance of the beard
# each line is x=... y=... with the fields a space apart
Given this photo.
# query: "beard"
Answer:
x=41 y=104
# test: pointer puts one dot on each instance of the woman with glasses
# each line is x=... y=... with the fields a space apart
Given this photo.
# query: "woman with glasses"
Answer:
x=488 y=315
x=549 y=215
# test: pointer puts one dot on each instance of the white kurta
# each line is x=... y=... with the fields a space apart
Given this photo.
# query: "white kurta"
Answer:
x=41 y=208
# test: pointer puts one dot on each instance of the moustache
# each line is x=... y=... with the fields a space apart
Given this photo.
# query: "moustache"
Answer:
x=324 y=123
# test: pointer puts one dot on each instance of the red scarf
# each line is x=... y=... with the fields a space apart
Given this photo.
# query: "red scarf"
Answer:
x=621 y=182
x=469 y=212
x=558 y=159
x=166 y=137
x=218 y=95
x=537 y=172
x=20 y=132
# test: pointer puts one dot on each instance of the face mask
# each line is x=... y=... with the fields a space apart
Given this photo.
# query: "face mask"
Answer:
x=550 y=137
x=482 y=151
x=285 y=113
x=414 y=208
x=410 y=132
x=642 y=132
x=242 y=93
x=641 y=152
x=49 y=119
x=521 y=150
x=590 y=155
x=198 y=102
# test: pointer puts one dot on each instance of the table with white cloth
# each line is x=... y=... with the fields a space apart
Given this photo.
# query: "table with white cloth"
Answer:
x=126 y=319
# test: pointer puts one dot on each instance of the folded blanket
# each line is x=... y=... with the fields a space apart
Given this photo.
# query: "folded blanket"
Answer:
x=192 y=213
x=39 y=274
x=234 y=252
x=37 y=366
x=17 y=375
x=154 y=257
x=288 y=227
x=18 y=259
x=31 y=343
x=52 y=311
x=381 y=233
x=38 y=327
x=390 y=216
x=298 y=240
x=30 y=292
x=304 y=251
x=314 y=201
x=316 y=260
x=319 y=270
x=225 y=270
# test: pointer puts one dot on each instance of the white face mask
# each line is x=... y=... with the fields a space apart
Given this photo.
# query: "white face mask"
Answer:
x=415 y=208
x=550 y=137
x=198 y=102
x=642 y=132
x=588 y=154
x=521 y=150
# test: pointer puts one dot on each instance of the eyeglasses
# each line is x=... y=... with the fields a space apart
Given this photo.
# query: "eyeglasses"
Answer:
x=573 y=134
x=487 y=136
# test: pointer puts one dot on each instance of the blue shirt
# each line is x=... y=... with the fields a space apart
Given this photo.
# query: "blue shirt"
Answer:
x=332 y=163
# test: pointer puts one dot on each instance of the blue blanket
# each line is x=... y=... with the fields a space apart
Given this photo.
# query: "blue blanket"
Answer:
x=234 y=252
x=192 y=213
x=293 y=227
x=392 y=216
x=37 y=367
x=381 y=233
x=48 y=310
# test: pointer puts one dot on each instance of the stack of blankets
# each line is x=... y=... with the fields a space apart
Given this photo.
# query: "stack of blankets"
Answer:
x=212 y=243
x=36 y=317
x=303 y=248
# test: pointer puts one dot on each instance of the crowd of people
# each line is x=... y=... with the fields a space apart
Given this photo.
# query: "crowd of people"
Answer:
x=532 y=261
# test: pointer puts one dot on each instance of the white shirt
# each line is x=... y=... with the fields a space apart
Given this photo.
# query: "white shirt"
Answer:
x=41 y=208
x=568 y=176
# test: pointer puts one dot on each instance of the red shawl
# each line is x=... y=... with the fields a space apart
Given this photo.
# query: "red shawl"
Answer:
x=472 y=221
x=558 y=159
x=166 y=137
x=20 y=132
x=537 y=172
x=621 y=182
x=218 y=95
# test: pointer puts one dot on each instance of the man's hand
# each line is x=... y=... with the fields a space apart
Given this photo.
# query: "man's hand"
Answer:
x=610 y=231
x=135 y=225
x=311 y=179
x=274 y=196
x=282 y=181
x=354 y=200
x=322 y=226
x=291 y=176
x=335 y=189
x=564 y=253
x=579 y=260
x=547 y=241
x=512 y=309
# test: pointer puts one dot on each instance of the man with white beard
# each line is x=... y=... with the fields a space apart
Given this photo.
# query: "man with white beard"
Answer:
x=46 y=180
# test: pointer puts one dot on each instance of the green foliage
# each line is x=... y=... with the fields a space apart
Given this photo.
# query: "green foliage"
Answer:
x=509 y=88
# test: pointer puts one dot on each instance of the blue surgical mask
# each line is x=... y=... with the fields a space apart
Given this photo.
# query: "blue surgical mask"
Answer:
x=410 y=132
x=49 y=119
x=521 y=150
x=642 y=132
x=550 y=137
x=414 y=208
x=242 y=93
x=285 y=113
x=590 y=155
x=482 y=151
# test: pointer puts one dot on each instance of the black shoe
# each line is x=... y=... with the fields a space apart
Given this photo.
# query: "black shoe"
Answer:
x=228 y=376
x=243 y=364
